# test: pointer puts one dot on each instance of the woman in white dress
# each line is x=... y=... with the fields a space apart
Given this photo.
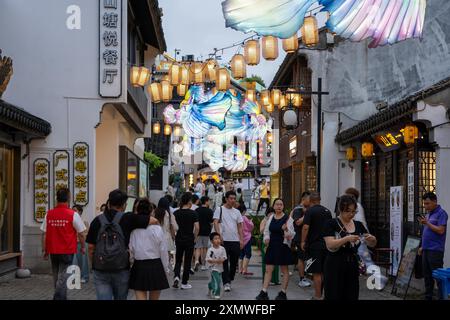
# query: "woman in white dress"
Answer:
x=169 y=226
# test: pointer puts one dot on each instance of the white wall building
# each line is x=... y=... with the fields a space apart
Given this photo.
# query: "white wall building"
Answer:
x=405 y=77
x=72 y=62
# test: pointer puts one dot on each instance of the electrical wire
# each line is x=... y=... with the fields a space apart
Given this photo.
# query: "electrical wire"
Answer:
x=255 y=36
x=338 y=112
x=239 y=45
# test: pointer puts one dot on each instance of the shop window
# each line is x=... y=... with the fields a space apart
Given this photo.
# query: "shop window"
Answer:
x=370 y=195
x=427 y=175
x=6 y=198
x=129 y=172
x=132 y=178
x=311 y=179
x=404 y=157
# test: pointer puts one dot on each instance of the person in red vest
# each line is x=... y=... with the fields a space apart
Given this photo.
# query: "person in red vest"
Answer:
x=61 y=227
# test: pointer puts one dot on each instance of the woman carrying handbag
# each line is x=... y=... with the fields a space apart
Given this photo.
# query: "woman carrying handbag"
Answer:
x=278 y=234
x=343 y=236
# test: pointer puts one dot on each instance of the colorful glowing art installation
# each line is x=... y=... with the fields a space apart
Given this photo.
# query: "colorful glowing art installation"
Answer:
x=212 y=120
x=384 y=21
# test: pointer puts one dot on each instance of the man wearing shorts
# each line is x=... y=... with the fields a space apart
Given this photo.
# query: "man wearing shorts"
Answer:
x=205 y=218
x=298 y=215
x=313 y=243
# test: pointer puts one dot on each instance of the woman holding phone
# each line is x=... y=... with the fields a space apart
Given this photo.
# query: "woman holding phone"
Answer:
x=343 y=236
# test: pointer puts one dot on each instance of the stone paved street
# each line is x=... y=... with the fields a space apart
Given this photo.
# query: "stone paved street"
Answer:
x=39 y=287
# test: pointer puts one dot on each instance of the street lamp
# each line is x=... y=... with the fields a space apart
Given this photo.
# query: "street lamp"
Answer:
x=289 y=117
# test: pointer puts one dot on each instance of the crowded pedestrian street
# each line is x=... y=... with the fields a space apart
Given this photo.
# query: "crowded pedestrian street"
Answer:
x=218 y=151
x=40 y=287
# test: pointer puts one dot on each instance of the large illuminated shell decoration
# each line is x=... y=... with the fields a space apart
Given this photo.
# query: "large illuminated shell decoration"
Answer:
x=213 y=119
x=383 y=21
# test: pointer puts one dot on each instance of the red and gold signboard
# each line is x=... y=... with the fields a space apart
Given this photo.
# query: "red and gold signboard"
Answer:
x=41 y=182
x=61 y=177
x=81 y=173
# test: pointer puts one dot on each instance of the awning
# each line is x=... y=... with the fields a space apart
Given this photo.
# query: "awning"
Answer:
x=17 y=120
x=392 y=115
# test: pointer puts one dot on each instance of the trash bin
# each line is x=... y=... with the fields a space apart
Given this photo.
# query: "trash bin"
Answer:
x=442 y=276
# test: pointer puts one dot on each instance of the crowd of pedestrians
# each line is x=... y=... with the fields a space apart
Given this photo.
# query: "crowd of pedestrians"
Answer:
x=140 y=250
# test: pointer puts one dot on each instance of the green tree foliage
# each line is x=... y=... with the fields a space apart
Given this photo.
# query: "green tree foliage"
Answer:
x=154 y=162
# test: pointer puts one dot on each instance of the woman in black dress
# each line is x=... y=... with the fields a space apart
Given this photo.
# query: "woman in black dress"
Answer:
x=278 y=235
x=343 y=236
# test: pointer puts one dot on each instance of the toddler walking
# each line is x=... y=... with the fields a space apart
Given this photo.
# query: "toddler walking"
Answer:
x=215 y=257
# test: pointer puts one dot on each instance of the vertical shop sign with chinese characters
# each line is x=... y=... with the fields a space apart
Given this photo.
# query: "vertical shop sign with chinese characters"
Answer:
x=61 y=167
x=81 y=173
x=41 y=174
x=110 y=37
x=411 y=191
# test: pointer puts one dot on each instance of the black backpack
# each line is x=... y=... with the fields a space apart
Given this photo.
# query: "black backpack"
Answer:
x=111 y=252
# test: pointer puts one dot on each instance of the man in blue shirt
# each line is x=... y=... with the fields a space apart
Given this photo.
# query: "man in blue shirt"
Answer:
x=433 y=240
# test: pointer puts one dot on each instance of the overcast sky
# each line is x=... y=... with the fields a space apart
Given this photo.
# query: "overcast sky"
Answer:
x=197 y=27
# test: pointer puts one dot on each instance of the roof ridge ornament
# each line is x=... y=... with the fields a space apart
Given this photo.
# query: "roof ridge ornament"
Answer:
x=6 y=72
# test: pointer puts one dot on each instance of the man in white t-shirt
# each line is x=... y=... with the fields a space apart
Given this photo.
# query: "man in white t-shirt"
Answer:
x=199 y=188
x=228 y=224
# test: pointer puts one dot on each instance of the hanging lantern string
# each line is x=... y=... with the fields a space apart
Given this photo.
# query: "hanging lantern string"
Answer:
x=239 y=45
x=234 y=45
x=256 y=36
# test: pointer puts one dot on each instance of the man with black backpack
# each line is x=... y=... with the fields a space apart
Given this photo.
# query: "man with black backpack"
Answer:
x=108 y=239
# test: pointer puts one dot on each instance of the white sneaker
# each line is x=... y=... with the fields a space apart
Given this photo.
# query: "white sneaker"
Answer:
x=176 y=282
x=304 y=283
x=203 y=268
x=216 y=297
x=227 y=287
x=186 y=286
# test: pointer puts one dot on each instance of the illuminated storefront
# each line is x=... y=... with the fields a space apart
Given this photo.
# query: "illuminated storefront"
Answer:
x=401 y=146
x=133 y=175
x=395 y=164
